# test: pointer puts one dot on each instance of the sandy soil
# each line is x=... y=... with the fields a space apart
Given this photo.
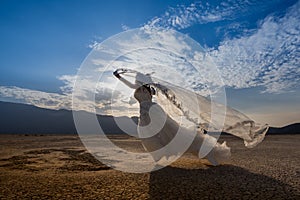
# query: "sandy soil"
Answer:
x=58 y=167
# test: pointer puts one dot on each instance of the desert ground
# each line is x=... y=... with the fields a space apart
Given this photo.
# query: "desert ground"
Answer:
x=59 y=167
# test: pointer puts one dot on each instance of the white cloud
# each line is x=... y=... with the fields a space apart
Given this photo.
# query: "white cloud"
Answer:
x=33 y=97
x=93 y=44
x=169 y=55
x=164 y=52
x=270 y=57
x=125 y=27
x=267 y=57
x=57 y=101
x=200 y=12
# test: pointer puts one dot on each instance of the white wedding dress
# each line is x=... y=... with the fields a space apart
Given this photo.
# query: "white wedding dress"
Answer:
x=174 y=111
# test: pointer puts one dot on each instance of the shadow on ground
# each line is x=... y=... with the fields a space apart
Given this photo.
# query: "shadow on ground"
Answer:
x=222 y=182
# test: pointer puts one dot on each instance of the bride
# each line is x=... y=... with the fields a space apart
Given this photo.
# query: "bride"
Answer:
x=152 y=115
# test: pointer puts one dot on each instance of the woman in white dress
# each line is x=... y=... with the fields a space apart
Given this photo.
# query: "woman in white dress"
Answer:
x=156 y=136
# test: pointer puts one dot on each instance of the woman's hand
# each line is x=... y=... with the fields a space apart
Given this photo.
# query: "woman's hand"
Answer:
x=117 y=74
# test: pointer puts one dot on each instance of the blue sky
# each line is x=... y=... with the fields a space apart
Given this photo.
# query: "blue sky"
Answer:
x=41 y=40
x=255 y=43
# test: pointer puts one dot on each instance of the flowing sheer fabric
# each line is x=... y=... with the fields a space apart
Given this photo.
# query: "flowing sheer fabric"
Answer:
x=236 y=123
x=189 y=110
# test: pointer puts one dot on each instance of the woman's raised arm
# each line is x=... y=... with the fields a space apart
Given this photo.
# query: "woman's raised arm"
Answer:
x=126 y=82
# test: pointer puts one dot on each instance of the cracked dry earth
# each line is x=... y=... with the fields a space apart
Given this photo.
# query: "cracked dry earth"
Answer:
x=59 y=167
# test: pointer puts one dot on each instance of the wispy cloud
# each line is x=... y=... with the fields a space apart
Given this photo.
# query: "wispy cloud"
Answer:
x=185 y=16
x=270 y=57
x=170 y=55
x=203 y=12
x=125 y=27
x=33 y=97
x=267 y=57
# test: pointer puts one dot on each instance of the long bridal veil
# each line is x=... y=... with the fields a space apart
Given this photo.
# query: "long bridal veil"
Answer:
x=188 y=108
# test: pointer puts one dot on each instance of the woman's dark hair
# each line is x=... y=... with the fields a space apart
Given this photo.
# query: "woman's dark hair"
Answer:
x=149 y=89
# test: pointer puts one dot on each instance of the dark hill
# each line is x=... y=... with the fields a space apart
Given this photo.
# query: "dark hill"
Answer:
x=28 y=119
x=289 y=129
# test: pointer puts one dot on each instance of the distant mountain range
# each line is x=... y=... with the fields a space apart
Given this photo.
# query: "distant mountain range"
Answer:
x=289 y=129
x=27 y=119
